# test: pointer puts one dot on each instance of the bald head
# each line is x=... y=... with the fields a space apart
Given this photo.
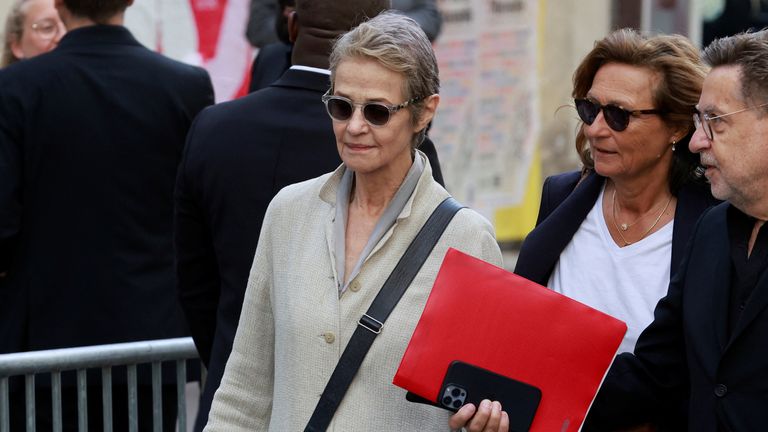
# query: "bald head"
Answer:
x=317 y=24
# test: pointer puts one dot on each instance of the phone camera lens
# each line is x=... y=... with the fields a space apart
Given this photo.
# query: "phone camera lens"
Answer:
x=457 y=404
x=447 y=401
x=456 y=392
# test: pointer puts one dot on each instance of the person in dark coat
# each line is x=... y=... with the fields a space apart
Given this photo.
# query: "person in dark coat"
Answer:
x=90 y=138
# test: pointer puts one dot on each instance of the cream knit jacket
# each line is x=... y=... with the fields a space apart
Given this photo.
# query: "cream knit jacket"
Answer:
x=294 y=325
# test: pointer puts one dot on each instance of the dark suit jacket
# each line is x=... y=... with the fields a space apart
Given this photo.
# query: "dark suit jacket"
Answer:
x=687 y=352
x=564 y=206
x=90 y=138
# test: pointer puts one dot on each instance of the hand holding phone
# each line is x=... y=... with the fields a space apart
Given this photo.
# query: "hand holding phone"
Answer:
x=466 y=383
x=488 y=416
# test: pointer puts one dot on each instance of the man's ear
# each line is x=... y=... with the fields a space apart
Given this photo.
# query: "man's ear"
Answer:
x=293 y=26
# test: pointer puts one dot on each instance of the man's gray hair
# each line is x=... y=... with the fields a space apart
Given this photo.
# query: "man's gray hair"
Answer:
x=749 y=51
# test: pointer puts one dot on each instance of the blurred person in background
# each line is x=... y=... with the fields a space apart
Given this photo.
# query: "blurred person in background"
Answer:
x=91 y=135
x=612 y=234
x=274 y=58
x=328 y=244
x=261 y=26
x=33 y=27
x=424 y=12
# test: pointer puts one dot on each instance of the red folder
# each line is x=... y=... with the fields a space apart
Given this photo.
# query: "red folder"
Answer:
x=486 y=316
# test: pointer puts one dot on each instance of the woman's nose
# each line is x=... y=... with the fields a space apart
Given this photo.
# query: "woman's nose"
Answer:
x=356 y=123
x=598 y=126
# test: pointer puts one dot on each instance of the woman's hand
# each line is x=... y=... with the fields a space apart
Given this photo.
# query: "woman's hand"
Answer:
x=488 y=418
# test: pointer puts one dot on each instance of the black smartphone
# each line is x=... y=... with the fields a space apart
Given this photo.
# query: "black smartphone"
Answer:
x=466 y=383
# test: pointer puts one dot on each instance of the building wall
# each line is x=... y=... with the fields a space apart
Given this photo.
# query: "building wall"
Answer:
x=570 y=30
x=5 y=5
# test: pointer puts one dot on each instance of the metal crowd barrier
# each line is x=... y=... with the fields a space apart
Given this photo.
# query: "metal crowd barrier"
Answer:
x=103 y=357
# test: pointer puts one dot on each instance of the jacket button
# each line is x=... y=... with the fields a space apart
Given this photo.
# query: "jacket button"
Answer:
x=329 y=337
x=354 y=286
x=721 y=390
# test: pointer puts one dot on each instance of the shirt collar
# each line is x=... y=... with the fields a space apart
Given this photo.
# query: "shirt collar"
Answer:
x=311 y=69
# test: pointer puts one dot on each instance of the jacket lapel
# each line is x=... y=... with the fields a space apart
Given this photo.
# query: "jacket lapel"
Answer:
x=692 y=201
x=719 y=271
x=547 y=241
x=757 y=302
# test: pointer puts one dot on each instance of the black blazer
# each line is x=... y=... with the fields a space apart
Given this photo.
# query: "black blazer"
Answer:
x=687 y=352
x=90 y=138
x=565 y=204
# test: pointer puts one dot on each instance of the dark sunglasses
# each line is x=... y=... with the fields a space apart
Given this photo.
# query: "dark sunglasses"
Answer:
x=615 y=116
x=375 y=113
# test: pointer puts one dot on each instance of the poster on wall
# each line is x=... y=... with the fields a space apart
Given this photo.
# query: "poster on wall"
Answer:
x=206 y=33
x=487 y=123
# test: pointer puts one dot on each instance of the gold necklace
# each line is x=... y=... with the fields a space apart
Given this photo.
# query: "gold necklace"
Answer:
x=624 y=226
x=619 y=229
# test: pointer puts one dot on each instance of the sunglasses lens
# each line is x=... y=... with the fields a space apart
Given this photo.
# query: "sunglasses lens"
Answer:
x=339 y=109
x=616 y=118
x=376 y=114
x=587 y=110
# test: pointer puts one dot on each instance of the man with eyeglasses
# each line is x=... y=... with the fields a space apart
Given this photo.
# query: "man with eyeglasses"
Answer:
x=91 y=134
x=708 y=344
x=33 y=27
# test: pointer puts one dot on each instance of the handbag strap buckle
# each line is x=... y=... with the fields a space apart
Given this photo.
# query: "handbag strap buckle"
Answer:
x=370 y=323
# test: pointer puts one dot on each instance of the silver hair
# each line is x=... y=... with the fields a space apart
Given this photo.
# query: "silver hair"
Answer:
x=748 y=50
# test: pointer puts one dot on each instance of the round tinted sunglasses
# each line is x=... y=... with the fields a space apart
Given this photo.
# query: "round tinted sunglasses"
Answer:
x=375 y=113
x=615 y=116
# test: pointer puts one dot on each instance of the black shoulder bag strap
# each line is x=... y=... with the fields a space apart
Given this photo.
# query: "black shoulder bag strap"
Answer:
x=372 y=321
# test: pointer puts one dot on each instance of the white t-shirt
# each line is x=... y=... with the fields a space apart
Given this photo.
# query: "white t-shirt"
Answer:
x=623 y=282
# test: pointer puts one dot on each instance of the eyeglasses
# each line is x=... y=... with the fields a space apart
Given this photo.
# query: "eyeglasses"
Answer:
x=375 y=113
x=46 y=28
x=615 y=116
x=700 y=119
